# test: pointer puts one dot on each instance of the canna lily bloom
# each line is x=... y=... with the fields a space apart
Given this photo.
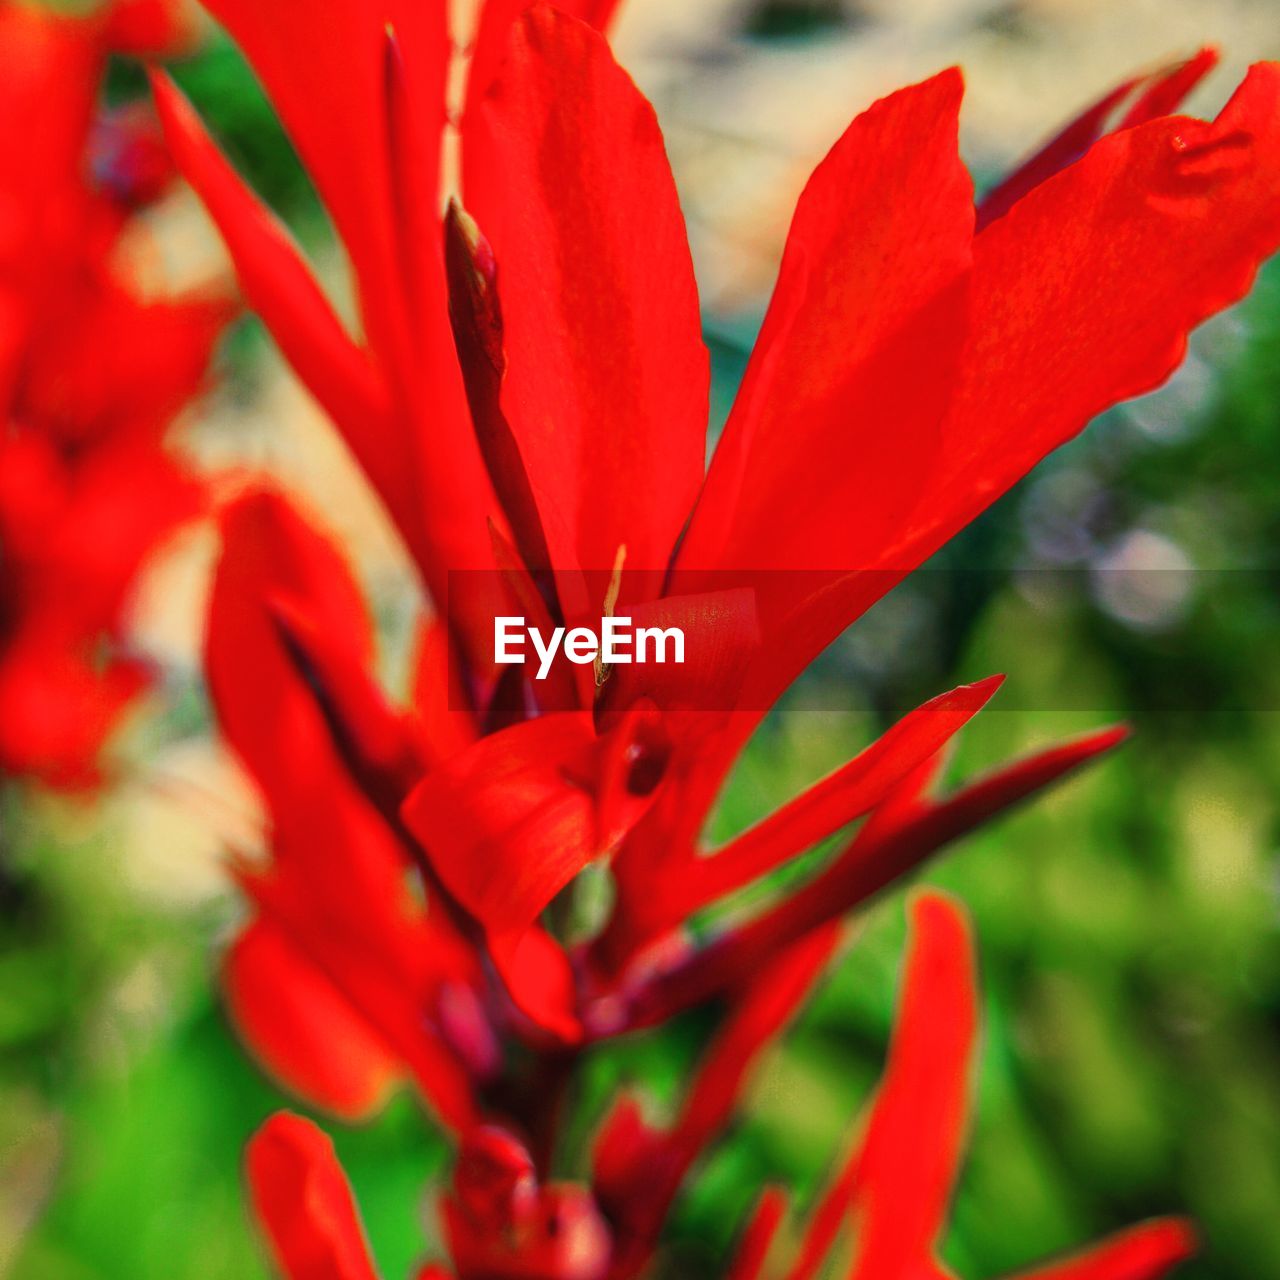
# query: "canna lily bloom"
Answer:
x=916 y=360
x=91 y=373
x=890 y=1197
x=918 y=357
x=415 y=984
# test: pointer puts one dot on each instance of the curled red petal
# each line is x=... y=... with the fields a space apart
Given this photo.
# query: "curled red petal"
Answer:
x=512 y=820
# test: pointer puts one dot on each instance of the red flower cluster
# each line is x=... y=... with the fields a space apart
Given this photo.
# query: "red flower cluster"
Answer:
x=91 y=373
x=529 y=398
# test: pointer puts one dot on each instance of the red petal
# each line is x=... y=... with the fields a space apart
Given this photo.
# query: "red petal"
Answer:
x=348 y=947
x=406 y=420
x=828 y=443
x=143 y=28
x=915 y=1135
x=306 y=1032
x=338 y=887
x=280 y=287
x=439 y=699
x=265 y=710
x=540 y=981
x=1085 y=291
x=1145 y=1252
x=304 y=1203
x=606 y=385
x=753 y=1247
x=766 y=1003
x=841 y=797
x=1163 y=93
x=325 y=79
x=494 y=30
x=58 y=706
x=511 y=821
x=378 y=746
x=644 y=1169
x=877 y=856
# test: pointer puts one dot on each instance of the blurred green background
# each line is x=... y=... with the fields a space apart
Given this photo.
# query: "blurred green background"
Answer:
x=1128 y=924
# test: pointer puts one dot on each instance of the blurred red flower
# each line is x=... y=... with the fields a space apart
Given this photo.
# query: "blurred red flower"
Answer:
x=91 y=373
x=890 y=1197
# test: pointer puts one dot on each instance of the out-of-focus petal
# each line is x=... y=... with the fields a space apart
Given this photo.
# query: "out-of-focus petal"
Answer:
x=279 y=286
x=753 y=1248
x=305 y=1031
x=1145 y=1252
x=304 y=1203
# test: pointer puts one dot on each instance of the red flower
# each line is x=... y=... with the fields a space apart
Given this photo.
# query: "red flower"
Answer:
x=90 y=375
x=529 y=398
x=891 y=1194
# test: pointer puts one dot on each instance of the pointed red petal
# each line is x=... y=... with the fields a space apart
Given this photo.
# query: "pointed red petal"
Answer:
x=1165 y=92
x=878 y=855
x=915 y=1135
x=841 y=797
x=1145 y=1252
x=279 y=286
x=753 y=1247
x=606 y=384
x=1162 y=94
x=325 y=80
x=643 y=1188
x=303 y=1201
x=1063 y=149
x=509 y=823
x=1085 y=291
x=836 y=386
